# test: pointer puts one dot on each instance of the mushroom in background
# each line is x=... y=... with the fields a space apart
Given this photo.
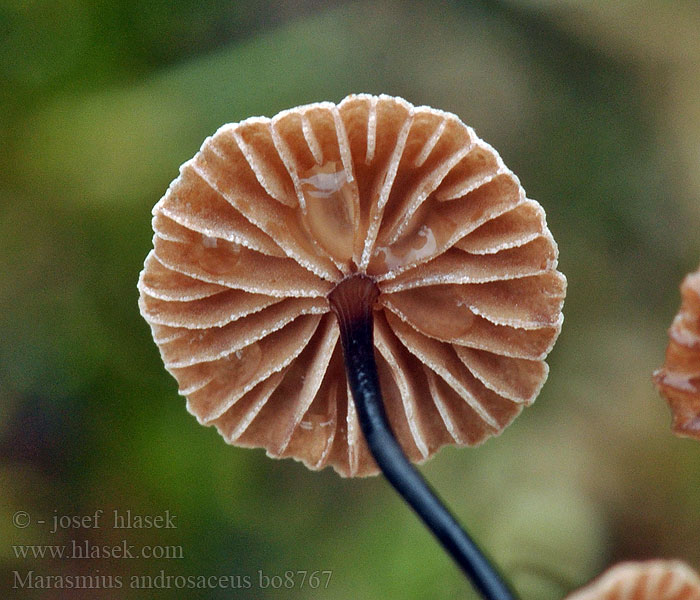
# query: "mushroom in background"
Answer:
x=679 y=379
x=651 y=580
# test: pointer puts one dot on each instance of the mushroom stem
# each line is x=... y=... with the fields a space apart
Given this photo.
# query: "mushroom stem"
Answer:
x=352 y=301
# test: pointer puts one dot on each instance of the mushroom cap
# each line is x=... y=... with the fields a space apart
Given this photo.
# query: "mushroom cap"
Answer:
x=679 y=379
x=650 y=580
x=271 y=214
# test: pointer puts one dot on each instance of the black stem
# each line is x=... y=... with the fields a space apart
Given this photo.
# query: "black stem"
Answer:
x=356 y=326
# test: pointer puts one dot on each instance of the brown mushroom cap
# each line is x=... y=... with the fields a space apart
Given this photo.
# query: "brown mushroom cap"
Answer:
x=651 y=580
x=271 y=214
x=679 y=379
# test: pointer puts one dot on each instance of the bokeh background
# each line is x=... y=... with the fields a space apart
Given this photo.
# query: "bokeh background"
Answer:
x=596 y=107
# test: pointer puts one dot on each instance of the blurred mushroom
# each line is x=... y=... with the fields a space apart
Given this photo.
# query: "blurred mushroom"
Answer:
x=651 y=580
x=679 y=379
x=392 y=229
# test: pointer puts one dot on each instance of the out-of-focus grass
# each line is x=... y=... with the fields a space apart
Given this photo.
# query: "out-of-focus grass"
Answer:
x=101 y=103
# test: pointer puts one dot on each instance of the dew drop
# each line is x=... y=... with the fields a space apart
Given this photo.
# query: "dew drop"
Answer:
x=311 y=422
x=412 y=250
x=319 y=426
x=426 y=234
x=464 y=319
x=449 y=317
x=208 y=242
x=238 y=368
x=216 y=256
x=330 y=208
x=446 y=316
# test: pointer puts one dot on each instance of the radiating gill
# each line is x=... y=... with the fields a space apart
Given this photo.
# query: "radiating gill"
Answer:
x=215 y=256
x=236 y=370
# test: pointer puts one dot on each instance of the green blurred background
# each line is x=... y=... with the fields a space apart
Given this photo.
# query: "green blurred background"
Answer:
x=596 y=107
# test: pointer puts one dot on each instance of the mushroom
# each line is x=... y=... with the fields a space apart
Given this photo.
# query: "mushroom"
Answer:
x=371 y=237
x=679 y=379
x=650 y=580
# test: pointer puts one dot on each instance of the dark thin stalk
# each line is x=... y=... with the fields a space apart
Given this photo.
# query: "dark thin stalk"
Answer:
x=352 y=301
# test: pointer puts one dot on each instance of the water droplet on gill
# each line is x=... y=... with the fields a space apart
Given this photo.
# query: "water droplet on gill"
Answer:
x=319 y=433
x=441 y=312
x=449 y=317
x=424 y=236
x=316 y=421
x=464 y=318
x=330 y=208
x=208 y=242
x=216 y=256
x=407 y=251
x=238 y=368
